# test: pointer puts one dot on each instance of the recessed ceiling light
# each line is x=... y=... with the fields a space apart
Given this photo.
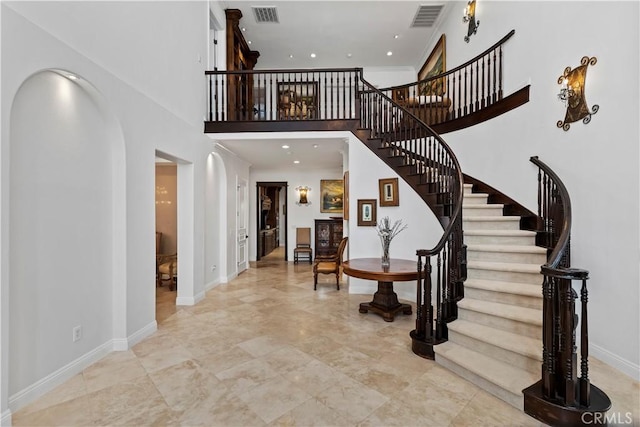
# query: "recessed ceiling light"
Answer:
x=315 y=145
x=389 y=53
x=285 y=146
x=296 y=161
x=313 y=55
x=349 y=55
x=290 y=56
x=396 y=36
x=248 y=41
x=244 y=29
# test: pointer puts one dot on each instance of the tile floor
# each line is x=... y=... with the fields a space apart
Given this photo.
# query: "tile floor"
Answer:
x=266 y=349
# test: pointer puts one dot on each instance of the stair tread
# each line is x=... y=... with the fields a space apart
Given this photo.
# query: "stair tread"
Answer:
x=524 y=289
x=526 y=249
x=490 y=232
x=499 y=373
x=521 y=314
x=516 y=343
x=505 y=266
x=493 y=218
x=488 y=206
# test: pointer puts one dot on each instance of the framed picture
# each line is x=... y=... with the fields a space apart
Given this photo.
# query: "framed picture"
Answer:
x=434 y=65
x=345 y=206
x=367 y=212
x=389 y=192
x=331 y=195
x=297 y=101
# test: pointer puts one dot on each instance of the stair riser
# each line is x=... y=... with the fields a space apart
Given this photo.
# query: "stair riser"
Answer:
x=502 y=394
x=504 y=276
x=517 y=257
x=490 y=239
x=503 y=297
x=475 y=199
x=481 y=210
x=514 y=359
x=509 y=325
x=489 y=224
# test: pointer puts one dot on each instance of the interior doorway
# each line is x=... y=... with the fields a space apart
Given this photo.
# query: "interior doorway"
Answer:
x=166 y=216
x=271 y=220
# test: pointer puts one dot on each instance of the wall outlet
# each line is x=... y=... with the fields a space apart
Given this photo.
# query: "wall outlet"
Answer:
x=77 y=333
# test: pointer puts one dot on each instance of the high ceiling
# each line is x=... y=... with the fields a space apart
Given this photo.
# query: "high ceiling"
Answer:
x=334 y=29
x=342 y=34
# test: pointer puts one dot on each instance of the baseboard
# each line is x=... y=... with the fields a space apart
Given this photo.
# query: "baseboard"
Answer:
x=185 y=301
x=5 y=418
x=140 y=334
x=231 y=277
x=623 y=365
x=53 y=380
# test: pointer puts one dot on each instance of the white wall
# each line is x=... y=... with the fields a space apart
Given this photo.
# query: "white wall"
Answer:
x=423 y=232
x=163 y=113
x=598 y=162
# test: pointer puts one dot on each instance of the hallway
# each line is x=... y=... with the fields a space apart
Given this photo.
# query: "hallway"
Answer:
x=266 y=349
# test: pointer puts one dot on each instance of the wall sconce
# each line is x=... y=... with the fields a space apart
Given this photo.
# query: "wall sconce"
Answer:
x=470 y=17
x=303 y=192
x=572 y=94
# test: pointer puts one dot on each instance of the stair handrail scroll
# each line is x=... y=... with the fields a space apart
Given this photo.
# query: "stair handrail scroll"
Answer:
x=560 y=396
x=439 y=181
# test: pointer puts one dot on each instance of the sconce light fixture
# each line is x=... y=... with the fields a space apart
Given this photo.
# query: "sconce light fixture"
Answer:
x=303 y=192
x=470 y=17
x=572 y=94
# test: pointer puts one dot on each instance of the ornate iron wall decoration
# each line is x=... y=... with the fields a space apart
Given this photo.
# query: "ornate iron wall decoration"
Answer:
x=572 y=94
x=470 y=17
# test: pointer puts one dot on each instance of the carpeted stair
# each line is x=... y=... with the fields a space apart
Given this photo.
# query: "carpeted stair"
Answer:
x=496 y=342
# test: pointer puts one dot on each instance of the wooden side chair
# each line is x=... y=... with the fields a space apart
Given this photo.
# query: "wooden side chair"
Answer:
x=303 y=244
x=330 y=265
x=168 y=266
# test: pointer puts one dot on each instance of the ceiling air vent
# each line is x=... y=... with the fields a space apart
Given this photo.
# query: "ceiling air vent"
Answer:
x=265 y=14
x=426 y=15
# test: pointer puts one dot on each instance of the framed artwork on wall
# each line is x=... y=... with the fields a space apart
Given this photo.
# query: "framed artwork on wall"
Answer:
x=331 y=195
x=434 y=65
x=345 y=206
x=297 y=100
x=367 y=212
x=388 y=189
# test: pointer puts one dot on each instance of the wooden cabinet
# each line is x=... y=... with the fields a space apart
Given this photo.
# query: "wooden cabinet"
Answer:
x=268 y=241
x=328 y=234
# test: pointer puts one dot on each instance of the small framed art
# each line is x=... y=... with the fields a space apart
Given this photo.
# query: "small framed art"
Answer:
x=389 y=192
x=367 y=212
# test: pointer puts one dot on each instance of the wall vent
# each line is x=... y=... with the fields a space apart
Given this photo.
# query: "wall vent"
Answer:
x=426 y=15
x=265 y=14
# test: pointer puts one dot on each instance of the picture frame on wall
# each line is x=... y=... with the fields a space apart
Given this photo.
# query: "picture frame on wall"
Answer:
x=345 y=205
x=331 y=195
x=388 y=189
x=434 y=65
x=367 y=212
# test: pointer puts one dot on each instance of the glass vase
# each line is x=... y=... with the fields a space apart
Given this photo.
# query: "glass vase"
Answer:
x=385 y=260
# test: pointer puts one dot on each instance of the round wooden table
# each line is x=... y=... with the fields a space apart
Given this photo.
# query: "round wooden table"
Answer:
x=385 y=301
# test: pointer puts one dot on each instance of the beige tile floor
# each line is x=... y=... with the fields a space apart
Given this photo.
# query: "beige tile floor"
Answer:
x=266 y=349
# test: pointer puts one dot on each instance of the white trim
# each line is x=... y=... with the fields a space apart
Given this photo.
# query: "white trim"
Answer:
x=53 y=380
x=623 y=365
x=231 y=277
x=5 y=418
x=138 y=336
x=190 y=300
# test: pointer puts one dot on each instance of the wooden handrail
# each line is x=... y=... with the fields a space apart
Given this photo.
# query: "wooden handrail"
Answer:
x=560 y=397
